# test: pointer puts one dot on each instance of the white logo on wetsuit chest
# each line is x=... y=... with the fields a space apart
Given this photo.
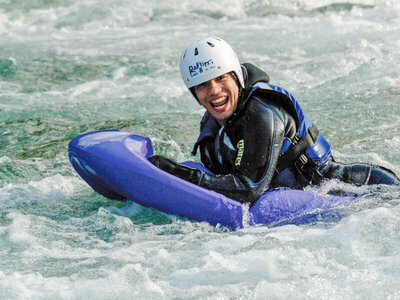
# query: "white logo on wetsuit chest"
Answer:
x=240 y=146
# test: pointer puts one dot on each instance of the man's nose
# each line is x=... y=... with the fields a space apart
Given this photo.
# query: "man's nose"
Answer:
x=214 y=87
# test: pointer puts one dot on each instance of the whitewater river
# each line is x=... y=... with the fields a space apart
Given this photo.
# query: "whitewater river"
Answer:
x=68 y=67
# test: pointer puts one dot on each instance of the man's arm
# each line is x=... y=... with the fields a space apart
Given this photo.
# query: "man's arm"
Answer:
x=260 y=139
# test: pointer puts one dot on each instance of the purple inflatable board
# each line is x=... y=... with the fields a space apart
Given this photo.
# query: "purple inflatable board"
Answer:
x=114 y=163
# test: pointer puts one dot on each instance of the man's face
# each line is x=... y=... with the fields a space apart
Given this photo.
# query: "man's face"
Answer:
x=219 y=96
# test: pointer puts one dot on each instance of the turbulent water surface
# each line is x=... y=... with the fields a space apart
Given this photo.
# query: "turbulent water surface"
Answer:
x=68 y=67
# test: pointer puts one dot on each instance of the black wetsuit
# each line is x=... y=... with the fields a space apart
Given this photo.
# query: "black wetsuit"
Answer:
x=246 y=154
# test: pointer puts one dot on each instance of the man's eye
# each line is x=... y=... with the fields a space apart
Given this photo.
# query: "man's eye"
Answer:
x=200 y=86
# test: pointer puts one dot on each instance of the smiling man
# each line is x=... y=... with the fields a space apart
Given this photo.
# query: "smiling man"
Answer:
x=254 y=135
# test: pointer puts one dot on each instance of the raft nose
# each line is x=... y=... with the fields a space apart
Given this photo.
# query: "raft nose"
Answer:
x=86 y=168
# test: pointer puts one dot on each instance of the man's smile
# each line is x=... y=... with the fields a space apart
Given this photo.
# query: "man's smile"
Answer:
x=219 y=102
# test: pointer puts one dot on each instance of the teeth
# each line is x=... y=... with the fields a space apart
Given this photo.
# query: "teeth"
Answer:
x=218 y=101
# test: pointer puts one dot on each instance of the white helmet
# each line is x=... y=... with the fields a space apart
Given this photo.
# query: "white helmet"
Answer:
x=206 y=59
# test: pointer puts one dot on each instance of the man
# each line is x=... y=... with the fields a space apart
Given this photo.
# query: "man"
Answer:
x=254 y=135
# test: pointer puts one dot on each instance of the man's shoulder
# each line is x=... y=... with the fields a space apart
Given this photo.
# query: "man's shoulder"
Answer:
x=260 y=108
x=263 y=102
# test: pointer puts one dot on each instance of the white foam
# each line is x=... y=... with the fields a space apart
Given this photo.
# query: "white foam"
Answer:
x=129 y=210
x=19 y=230
x=49 y=189
x=60 y=241
x=5 y=159
x=57 y=183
